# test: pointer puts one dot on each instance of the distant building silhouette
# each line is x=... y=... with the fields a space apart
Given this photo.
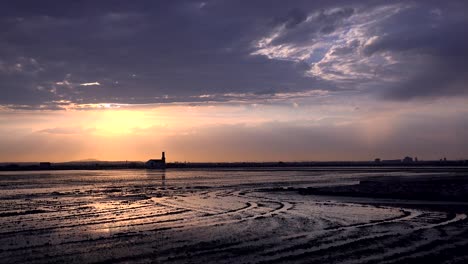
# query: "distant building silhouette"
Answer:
x=408 y=159
x=157 y=163
x=377 y=160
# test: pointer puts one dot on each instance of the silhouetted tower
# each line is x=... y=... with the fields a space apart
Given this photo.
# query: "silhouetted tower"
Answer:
x=163 y=157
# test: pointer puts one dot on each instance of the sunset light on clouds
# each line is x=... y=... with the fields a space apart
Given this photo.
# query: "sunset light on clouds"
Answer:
x=234 y=81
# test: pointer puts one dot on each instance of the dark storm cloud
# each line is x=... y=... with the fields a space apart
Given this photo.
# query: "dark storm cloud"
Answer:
x=434 y=42
x=167 y=51
x=139 y=53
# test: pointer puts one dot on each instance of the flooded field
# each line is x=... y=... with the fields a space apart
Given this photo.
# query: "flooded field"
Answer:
x=219 y=216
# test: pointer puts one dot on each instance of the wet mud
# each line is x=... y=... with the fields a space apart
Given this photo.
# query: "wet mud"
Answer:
x=178 y=217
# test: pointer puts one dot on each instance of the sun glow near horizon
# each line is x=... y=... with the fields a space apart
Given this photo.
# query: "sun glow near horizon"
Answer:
x=117 y=122
x=236 y=132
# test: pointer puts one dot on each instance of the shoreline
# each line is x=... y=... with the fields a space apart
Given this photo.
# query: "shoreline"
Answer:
x=102 y=165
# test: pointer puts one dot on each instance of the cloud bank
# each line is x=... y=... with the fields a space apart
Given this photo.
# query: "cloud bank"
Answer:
x=180 y=51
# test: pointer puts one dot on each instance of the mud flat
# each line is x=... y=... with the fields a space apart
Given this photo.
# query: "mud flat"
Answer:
x=238 y=216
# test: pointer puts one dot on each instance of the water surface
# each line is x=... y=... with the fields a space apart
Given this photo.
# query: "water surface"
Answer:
x=216 y=216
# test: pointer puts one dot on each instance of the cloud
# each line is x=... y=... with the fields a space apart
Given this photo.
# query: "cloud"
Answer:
x=90 y=84
x=145 y=53
x=398 y=51
x=430 y=49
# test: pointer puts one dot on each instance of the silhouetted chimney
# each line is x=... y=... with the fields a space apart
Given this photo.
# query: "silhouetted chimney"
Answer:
x=163 y=158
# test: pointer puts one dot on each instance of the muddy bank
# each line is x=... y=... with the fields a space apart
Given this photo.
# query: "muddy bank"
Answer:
x=449 y=188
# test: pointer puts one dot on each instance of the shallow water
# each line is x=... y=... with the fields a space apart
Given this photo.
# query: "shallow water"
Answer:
x=216 y=216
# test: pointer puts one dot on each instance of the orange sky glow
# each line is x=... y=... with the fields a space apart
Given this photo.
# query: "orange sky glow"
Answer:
x=235 y=132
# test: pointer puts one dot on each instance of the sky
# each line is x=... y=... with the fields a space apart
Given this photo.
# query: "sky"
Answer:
x=228 y=80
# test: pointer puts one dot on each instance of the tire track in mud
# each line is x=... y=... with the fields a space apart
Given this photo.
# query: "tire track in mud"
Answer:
x=71 y=233
x=432 y=244
x=264 y=244
x=46 y=218
x=281 y=207
x=95 y=222
x=245 y=243
x=74 y=229
x=306 y=235
x=407 y=215
x=410 y=245
x=246 y=207
x=311 y=248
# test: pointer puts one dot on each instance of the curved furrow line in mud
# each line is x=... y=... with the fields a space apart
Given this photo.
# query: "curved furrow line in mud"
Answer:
x=87 y=244
x=97 y=222
x=250 y=254
x=152 y=257
x=70 y=236
x=210 y=220
x=204 y=214
x=248 y=205
x=176 y=225
x=312 y=248
x=101 y=212
x=264 y=240
x=209 y=250
x=227 y=246
x=203 y=223
x=187 y=205
x=147 y=241
x=83 y=226
x=282 y=207
x=250 y=246
x=425 y=249
x=458 y=217
x=257 y=245
x=77 y=248
x=246 y=241
x=406 y=215
x=359 y=251
x=236 y=247
x=96 y=245
x=431 y=245
x=63 y=220
x=180 y=209
x=331 y=233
